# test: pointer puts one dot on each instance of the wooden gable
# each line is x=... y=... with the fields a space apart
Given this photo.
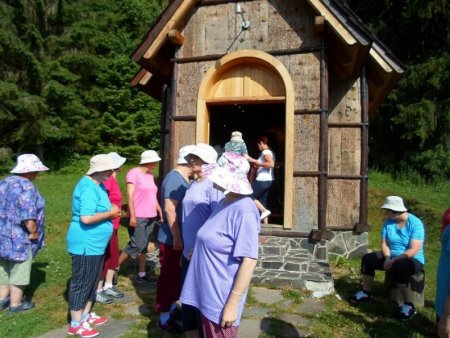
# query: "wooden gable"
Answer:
x=350 y=48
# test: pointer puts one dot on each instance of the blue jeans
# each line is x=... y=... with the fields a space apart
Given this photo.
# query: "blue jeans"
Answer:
x=261 y=191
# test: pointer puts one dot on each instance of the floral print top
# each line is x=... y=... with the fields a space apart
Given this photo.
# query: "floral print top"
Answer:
x=19 y=201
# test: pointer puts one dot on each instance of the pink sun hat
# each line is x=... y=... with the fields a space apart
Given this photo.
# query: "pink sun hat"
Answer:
x=230 y=173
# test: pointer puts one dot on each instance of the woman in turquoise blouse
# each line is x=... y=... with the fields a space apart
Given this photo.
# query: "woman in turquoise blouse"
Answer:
x=89 y=233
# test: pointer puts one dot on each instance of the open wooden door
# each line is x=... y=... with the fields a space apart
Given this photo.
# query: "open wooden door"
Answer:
x=256 y=81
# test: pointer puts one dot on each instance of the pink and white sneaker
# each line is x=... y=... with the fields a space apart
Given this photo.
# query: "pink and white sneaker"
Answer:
x=84 y=330
x=94 y=319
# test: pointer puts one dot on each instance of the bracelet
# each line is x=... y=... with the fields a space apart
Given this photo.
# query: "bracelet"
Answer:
x=237 y=293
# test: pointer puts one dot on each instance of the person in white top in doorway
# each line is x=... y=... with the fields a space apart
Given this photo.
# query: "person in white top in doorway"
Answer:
x=264 y=176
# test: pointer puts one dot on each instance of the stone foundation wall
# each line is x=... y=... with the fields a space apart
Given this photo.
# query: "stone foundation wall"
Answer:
x=348 y=244
x=302 y=264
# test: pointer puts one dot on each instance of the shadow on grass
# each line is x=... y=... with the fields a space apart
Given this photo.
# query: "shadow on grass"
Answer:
x=274 y=327
x=38 y=277
x=146 y=292
x=379 y=318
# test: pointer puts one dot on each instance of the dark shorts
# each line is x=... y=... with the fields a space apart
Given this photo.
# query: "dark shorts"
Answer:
x=139 y=236
x=261 y=191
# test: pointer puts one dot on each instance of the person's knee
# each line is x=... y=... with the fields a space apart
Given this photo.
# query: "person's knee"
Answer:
x=368 y=264
x=367 y=260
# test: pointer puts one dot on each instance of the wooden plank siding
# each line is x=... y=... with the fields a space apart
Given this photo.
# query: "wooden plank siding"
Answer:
x=277 y=25
x=273 y=25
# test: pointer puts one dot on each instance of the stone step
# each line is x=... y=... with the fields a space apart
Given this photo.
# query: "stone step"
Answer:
x=314 y=276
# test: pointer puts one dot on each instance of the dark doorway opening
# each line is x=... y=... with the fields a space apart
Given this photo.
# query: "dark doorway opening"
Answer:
x=254 y=120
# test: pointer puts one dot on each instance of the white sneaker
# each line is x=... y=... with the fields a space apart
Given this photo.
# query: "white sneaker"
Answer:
x=265 y=214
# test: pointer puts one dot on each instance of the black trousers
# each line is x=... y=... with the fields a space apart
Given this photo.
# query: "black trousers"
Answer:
x=402 y=269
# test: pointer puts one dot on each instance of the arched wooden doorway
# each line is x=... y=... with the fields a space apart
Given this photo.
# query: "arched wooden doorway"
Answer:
x=249 y=78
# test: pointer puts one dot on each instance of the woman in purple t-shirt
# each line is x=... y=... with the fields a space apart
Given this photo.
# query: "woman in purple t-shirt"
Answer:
x=225 y=251
x=200 y=199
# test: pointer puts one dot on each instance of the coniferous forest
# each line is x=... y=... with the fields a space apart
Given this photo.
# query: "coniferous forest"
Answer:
x=64 y=78
x=65 y=71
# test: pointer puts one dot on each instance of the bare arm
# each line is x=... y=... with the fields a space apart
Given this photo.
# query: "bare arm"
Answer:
x=101 y=216
x=31 y=226
x=130 y=199
x=385 y=249
x=170 y=207
x=159 y=211
x=267 y=161
x=414 y=247
x=244 y=275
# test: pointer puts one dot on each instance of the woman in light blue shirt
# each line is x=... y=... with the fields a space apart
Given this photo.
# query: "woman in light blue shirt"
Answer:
x=89 y=233
x=402 y=254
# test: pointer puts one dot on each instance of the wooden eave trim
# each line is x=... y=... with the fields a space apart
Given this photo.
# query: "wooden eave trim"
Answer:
x=153 y=33
x=137 y=78
x=148 y=83
x=173 y=23
x=384 y=53
x=335 y=23
x=175 y=37
x=146 y=78
x=380 y=60
x=388 y=74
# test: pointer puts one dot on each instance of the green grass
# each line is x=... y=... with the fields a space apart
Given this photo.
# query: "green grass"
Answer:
x=51 y=270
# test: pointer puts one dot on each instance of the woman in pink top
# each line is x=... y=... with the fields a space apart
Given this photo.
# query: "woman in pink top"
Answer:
x=106 y=291
x=143 y=211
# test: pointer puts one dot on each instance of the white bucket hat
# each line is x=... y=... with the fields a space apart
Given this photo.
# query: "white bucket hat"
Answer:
x=394 y=203
x=28 y=163
x=206 y=153
x=101 y=162
x=230 y=173
x=184 y=151
x=236 y=136
x=149 y=156
x=118 y=160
